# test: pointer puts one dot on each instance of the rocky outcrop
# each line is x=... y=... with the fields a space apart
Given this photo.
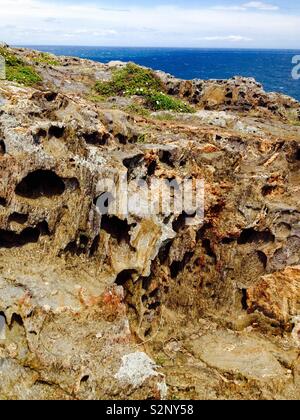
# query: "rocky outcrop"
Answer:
x=129 y=305
x=277 y=295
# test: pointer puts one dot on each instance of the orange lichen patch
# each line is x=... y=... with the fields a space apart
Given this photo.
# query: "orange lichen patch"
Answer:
x=209 y=148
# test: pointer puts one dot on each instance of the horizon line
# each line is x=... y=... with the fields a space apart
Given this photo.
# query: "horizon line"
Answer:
x=155 y=47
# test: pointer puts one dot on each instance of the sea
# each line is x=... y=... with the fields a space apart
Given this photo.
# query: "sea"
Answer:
x=272 y=68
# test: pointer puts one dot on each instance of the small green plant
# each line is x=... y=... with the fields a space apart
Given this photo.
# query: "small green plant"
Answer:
x=17 y=70
x=138 y=110
x=159 y=101
x=142 y=138
x=45 y=58
x=129 y=80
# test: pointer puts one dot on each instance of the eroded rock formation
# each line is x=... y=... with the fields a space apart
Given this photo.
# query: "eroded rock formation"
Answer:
x=105 y=306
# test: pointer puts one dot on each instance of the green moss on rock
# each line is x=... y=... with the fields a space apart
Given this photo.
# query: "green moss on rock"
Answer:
x=17 y=70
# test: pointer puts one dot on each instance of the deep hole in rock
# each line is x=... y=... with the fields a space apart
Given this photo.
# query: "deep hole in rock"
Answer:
x=203 y=231
x=50 y=96
x=249 y=236
x=18 y=218
x=147 y=281
x=263 y=258
x=2 y=147
x=95 y=138
x=56 y=131
x=152 y=168
x=166 y=157
x=132 y=162
x=268 y=189
x=155 y=293
x=298 y=154
x=9 y=239
x=244 y=299
x=40 y=183
x=79 y=246
x=117 y=228
x=41 y=133
x=122 y=139
x=2 y=202
x=83 y=241
x=84 y=379
x=178 y=266
x=154 y=306
x=16 y=319
x=180 y=222
x=44 y=228
x=148 y=332
x=165 y=251
x=124 y=277
x=71 y=248
x=228 y=241
x=95 y=246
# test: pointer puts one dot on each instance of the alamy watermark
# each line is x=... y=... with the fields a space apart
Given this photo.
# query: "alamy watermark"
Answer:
x=153 y=197
x=296 y=68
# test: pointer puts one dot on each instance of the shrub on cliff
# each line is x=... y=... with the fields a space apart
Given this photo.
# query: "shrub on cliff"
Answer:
x=17 y=70
x=159 y=101
x=129 y=80
x=134 y=80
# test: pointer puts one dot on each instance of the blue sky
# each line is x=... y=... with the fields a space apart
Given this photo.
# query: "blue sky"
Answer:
x=161 y=23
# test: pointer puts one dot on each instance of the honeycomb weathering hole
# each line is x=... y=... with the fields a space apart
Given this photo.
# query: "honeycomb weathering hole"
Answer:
x=124 y=277
x=10 y=239
x=18 y=218
x=40 y=183
x=251 y=235
x=2 y=147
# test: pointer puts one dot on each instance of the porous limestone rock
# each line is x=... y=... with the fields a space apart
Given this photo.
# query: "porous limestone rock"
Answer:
x=126 y=306
x=277 y=295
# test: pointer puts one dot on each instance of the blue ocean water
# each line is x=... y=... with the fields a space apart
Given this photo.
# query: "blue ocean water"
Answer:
x=272 y=68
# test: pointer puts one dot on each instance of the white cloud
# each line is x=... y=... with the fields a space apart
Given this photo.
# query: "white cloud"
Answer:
x=260 y=6
x=230 y=38
x=252 y=5
x=47 y=22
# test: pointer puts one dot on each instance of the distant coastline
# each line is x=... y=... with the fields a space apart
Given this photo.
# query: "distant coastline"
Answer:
x=271 y=67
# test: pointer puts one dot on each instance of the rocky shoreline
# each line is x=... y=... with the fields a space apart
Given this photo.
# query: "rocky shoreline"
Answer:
x=105 y=307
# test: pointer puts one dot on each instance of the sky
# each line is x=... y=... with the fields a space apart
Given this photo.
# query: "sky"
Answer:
x=155 y=23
